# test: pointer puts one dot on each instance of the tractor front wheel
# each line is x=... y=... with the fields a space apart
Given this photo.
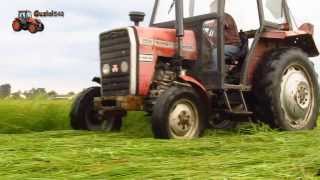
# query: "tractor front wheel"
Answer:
x=32 y=28
x=287 y=90
x=179 y=114
x=83 y=116
x=16 y=25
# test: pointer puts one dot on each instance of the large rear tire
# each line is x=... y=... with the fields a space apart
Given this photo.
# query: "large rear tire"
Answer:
x=32 y=28
x=84 y=117
x=40 y=27
x=287 y=91
x=179 y=114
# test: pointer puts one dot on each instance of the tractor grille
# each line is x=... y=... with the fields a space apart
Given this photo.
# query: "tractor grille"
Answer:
x=115 y=49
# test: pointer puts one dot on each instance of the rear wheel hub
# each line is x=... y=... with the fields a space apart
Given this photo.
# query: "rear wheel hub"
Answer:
x=296 y=96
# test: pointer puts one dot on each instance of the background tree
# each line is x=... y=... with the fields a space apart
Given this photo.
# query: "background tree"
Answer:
x=16 y=95
x=71 y=94
x=5 y=90
x=36 y=93
x=52 y=94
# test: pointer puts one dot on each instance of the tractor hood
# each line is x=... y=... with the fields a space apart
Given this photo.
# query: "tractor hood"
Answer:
x=162 y=42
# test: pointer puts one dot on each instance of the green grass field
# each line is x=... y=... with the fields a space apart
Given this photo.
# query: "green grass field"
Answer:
x=37 y=143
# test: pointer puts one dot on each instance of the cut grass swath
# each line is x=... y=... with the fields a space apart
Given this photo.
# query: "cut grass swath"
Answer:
x=251 y=152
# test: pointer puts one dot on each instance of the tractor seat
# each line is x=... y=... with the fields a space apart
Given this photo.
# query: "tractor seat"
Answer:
x=244 y=49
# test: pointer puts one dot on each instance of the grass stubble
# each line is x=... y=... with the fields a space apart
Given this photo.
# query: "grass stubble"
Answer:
x=36 y=142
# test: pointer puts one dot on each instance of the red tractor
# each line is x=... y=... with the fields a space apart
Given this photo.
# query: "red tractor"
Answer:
x=165 y=71
x=24 y=21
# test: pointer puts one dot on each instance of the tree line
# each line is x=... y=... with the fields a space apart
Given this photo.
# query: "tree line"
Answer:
x=34 y=93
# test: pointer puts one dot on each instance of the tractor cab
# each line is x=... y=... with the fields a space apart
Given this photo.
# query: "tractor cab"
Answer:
x=24 y=14
x=207 y=18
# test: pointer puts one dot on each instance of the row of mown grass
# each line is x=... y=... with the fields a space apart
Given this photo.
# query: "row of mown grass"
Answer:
x=250 y=152
x=25 y=116
x=21 y=116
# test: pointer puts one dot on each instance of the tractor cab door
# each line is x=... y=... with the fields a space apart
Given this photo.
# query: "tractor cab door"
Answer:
x=221 y=71
x=235 y=29
x=205 y=20
x=213 y=68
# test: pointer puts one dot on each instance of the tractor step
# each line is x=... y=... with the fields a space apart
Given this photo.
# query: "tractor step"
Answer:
x=233 y=111
x=239 y=114
x=237 y=87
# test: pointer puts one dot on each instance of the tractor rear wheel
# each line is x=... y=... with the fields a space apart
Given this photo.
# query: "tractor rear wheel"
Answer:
x=40 y=27
x=84 y=117
x=16 y=25
x=287 y=91
x=178 y=114
x=32 y=28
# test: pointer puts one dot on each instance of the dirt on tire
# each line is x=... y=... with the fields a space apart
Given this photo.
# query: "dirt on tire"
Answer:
x=267 y=88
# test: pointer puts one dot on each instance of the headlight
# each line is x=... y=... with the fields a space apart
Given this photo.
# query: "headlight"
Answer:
x=124 y=67
x=106 y=69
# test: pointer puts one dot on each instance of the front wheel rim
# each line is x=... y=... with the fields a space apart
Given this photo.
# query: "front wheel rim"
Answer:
x=183 y=120
x=297 y=94
x=95 y=123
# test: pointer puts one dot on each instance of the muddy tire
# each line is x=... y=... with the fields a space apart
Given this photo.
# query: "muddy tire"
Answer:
x=179 y=113
x=16 y=25
x=84 y=117
x=32 y=28
x=287 y=91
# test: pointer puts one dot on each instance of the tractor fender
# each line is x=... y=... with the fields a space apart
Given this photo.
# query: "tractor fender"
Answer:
x=301 y=38
x=196 y=84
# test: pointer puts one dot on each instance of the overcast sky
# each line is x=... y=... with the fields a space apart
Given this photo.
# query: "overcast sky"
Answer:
x=65 y=56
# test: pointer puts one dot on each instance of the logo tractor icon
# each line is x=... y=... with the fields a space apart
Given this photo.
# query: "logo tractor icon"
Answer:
x=25 y=21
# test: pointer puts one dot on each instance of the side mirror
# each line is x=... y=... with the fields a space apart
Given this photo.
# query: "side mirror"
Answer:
x=137 y=17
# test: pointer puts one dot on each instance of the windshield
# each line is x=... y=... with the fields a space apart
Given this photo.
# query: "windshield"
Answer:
x=246 y=19
x=274 y=11
x=166 y=9
x=22 y=15
x=25 y=14
x=29 y=14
